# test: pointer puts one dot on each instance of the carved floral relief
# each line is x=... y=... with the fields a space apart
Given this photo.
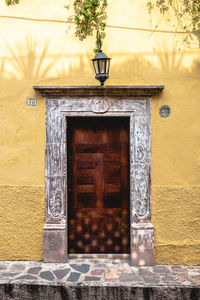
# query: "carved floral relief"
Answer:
x=56 y=124
x=99 y=106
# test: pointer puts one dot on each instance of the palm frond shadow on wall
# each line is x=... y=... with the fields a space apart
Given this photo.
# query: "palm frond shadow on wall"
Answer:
x=29 y=65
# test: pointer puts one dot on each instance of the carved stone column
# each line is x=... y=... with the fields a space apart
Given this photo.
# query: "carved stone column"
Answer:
x=142 y=231
x=55 y=231
x=125 y=101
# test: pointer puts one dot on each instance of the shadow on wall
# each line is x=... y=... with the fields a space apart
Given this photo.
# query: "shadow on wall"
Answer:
x=80 y=70
x=26 y=64
x=26 y=67
x=196 y=67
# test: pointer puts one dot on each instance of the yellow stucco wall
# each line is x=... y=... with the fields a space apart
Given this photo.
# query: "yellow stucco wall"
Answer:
x=34 y=52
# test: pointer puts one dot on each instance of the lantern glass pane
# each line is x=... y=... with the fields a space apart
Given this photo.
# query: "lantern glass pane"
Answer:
x=107 y=66
x=102 y=66
x=95 y=64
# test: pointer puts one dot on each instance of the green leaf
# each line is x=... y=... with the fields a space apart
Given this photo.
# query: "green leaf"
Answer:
x=11 y=2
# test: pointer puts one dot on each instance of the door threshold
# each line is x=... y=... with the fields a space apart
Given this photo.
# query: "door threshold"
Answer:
x=99 y=256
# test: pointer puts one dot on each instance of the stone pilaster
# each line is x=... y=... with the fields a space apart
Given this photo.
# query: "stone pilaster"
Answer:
x=55 y=243
x=142 y=244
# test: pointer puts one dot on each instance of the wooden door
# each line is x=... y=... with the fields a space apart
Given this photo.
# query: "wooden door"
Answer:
x=98 y=181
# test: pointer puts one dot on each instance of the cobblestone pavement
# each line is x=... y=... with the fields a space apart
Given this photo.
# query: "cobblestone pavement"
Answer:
x=102 y=271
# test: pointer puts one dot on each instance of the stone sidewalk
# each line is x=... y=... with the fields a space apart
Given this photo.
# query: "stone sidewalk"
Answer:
x=103 y=271
x=97 y=272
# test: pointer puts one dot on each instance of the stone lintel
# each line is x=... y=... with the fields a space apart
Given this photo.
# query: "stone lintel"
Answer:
x=54 y=245
x=142 y=244
x=101 y=91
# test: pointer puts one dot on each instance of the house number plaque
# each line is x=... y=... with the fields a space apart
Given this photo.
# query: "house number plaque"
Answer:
x=31 y=102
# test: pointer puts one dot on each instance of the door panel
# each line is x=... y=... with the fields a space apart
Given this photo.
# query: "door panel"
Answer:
x=98 y=194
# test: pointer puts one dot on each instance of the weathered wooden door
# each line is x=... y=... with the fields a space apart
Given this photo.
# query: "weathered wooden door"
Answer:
x=98 y=181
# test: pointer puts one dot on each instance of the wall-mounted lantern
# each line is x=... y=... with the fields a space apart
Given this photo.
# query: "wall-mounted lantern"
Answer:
x=101 y=63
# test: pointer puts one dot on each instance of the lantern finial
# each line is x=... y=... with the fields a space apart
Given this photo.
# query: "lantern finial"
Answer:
x=99 y=43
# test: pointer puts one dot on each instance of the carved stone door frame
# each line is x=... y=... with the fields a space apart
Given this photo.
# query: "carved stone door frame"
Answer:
x=114 y=101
